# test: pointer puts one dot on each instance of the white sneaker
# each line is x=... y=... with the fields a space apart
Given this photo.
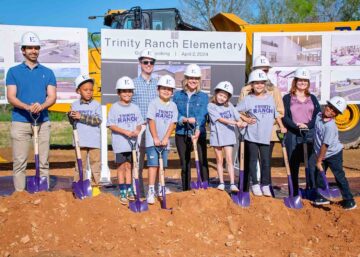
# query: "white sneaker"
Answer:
x=150 y=196
x=167 y=190
x=256 y=189
x=234 y=188
x=221 y=186
x=266 y=190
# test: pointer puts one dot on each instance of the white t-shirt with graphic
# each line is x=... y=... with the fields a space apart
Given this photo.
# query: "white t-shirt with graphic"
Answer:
x=126 y=117
x=264 y=110
x=222 y=134
x=164 y=114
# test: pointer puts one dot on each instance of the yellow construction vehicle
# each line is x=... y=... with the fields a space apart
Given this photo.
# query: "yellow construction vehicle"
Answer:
x=349 y=122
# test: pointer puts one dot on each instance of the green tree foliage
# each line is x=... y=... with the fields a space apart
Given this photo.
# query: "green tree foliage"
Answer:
x=94 y=38
x=199 y=12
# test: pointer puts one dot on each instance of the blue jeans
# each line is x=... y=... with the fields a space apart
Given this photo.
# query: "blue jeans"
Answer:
x=335 y=163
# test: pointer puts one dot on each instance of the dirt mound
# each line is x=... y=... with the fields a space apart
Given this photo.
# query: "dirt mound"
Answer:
x=201 y=223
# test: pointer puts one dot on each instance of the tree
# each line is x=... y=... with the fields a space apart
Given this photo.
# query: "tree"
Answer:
x=94 y=40
x=199 y=12
x=350 y=10
x=273 y=11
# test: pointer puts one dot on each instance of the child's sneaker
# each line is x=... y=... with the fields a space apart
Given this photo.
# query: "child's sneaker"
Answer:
x=130 y=194
x=151 y=196
x=320 y=200
x=221 y=187
x=123 y=198
x=266 y=191
x=234 y=188
x=348 y=204
x=256 y=190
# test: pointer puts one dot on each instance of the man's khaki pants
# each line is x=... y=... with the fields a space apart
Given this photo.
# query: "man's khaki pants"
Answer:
x=21 y=138
x=95 y=164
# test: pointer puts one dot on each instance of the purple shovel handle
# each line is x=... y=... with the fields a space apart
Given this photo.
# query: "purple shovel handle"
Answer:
x=80 y=168
x=163 y=193
x=291 y=187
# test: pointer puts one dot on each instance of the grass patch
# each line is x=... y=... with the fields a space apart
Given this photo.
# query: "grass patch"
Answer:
x=61 y=134
x=5 y=139
x=5 y=114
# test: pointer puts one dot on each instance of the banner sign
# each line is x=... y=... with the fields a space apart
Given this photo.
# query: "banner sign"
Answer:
x=333 y=59
x=64 y=50
x=220 y=55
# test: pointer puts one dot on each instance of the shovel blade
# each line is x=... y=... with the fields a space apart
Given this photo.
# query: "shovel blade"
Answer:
x=293 y=202
x=205 y=185
x=329 y=193
x=36 y=184
x=138 y=206
x=194 y=185
x=82 y=189
x=241 y=198
x=199 y=185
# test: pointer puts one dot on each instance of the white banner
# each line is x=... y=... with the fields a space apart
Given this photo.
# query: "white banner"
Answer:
x=64 y=50
x=174 y=45
x=333 y=59
x=220 y=55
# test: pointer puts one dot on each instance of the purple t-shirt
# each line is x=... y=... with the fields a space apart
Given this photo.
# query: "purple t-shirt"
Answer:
x=301 y=112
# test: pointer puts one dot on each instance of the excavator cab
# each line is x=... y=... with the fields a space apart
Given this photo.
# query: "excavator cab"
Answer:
x=147 y=19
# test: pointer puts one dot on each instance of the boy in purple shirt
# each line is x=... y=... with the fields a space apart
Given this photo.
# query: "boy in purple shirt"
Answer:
x=328 y=151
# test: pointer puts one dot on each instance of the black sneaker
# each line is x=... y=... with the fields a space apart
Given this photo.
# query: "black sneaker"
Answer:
x=348 y=204
x=321 y=200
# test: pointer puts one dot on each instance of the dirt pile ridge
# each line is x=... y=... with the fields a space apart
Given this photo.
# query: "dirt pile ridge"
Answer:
x=201 y=223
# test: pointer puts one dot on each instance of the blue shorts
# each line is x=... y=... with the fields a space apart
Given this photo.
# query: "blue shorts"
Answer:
x=153 y=157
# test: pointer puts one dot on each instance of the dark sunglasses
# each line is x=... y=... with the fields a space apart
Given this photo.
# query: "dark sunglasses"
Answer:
x=148 y=62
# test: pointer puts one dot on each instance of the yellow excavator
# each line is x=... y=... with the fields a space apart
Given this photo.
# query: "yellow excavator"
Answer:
x=170 y=19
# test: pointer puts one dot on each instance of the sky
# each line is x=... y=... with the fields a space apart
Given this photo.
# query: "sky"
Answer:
x=69 y=13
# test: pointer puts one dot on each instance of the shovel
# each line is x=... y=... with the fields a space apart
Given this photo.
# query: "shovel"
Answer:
x=309 y=192
x=199 y=183
x=36 y=183
x=328 y=193
x=160 y=150
x=241 y=198
x=293 y=202
x=137 y=205
x=81 y=188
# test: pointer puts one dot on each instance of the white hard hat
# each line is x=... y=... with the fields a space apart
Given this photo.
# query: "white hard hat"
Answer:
x=257 y=75
x=302 y=73
x=30 y=39
x=261 y=61
x=193 y=70
x=125 y=83
x=225 y=86
x=81 y=79
x=147 y=53
x=338 y=103
x=166 y=81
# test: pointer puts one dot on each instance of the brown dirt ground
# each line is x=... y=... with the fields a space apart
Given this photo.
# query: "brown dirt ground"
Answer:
x=201 y=223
